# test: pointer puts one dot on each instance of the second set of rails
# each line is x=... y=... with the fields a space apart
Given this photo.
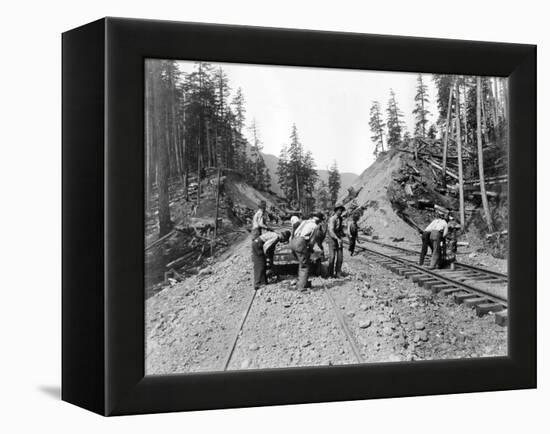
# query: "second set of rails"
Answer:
x=462 y=284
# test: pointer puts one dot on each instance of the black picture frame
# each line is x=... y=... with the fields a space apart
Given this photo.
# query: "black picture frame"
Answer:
x=103 y=216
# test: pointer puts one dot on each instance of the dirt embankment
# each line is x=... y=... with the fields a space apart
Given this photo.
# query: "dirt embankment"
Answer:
x=378 y=215
x=190 y=248
x=397 y=193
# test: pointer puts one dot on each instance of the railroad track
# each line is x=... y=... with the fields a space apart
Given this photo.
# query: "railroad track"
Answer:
x=481 y=274
x=339 y=317
x=459 y=284
x=456 y=284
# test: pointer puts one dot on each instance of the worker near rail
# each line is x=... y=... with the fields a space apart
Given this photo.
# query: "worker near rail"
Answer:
x=434 y=234
x=263 y=250
x=302 y=244
x=352 y=232
x=451 y=242
x=258 y=221
x=335 y=242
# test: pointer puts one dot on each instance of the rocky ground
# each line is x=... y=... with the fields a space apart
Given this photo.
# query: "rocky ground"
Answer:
x=191 y=325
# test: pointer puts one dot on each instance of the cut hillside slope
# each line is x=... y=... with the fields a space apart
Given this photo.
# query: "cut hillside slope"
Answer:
x=190 y=246
x=378 y=217
x=398 y=195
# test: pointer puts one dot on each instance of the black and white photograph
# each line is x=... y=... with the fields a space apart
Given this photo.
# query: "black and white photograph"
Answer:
x=301 y=217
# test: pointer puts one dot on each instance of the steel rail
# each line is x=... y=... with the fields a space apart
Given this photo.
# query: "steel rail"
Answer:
x=459 y=264
x=343 y=326
x=465 y=286
x=237 y=334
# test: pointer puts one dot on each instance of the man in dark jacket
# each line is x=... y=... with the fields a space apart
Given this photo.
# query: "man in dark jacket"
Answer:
x=335 y=242
x=353 y=231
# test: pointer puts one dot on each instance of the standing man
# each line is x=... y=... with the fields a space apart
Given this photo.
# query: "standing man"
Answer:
x=302 y=244
x=263 y=249
x=258 y=221
x=451 y=244
x=432 y=236
x=335 y=242
x=353 y=231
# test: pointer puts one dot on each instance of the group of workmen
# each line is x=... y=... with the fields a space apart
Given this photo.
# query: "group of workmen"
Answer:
x=440 y=236
x=302 y=238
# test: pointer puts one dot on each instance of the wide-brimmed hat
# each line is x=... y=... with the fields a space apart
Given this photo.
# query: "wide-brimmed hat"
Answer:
x=294 y=219
x=336 y=208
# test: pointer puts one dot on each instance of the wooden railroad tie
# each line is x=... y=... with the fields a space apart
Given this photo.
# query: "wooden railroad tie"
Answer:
x=501 y=318
x=438 y=285
x=485 y=308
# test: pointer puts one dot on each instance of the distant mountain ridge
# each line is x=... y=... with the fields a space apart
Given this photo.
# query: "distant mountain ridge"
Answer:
x=271 y=161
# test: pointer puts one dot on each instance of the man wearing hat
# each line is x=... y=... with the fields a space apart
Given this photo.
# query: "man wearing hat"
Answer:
x=258 y=221
x=353 y=231
x=302 y=244
x=335 y=242
x=263 y=249
x=432 y=237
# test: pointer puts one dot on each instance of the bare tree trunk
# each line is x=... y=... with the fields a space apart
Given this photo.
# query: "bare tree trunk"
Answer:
x=495 y=100
x=165 y=224
x=446 y=139
x=217 y=204
x=198 y=178
x=480 y=160
x=504 y=83
x=423 y=113
x=465 y=118
x=485 y=126
x=298 y=191
x=148 y=138
x=459 y=152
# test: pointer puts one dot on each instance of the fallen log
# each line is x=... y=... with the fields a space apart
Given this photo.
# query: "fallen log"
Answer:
x=447 y=171
x=177 y=262
x=160 y=240
x=216 y=240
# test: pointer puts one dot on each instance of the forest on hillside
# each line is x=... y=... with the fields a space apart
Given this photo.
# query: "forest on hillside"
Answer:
x=468 y=142
x=195 y=125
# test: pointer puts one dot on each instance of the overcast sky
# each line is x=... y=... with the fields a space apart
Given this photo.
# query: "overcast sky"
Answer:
x=330 y=107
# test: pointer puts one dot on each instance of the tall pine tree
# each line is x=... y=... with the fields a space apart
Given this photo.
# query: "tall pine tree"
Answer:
x=377 y=125
x=334 y=182
x=421 y=111
x=296 y=173
x=393 y=122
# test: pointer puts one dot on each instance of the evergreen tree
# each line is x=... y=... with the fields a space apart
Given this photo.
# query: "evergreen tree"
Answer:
x=283 y=171
x=260 y=175
x=377 y=125
x=322 y=196
x=420 y=111
x=443 y=84
x=296 y=173
x=393 y=122
x=334 y=182
x=239 y=119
